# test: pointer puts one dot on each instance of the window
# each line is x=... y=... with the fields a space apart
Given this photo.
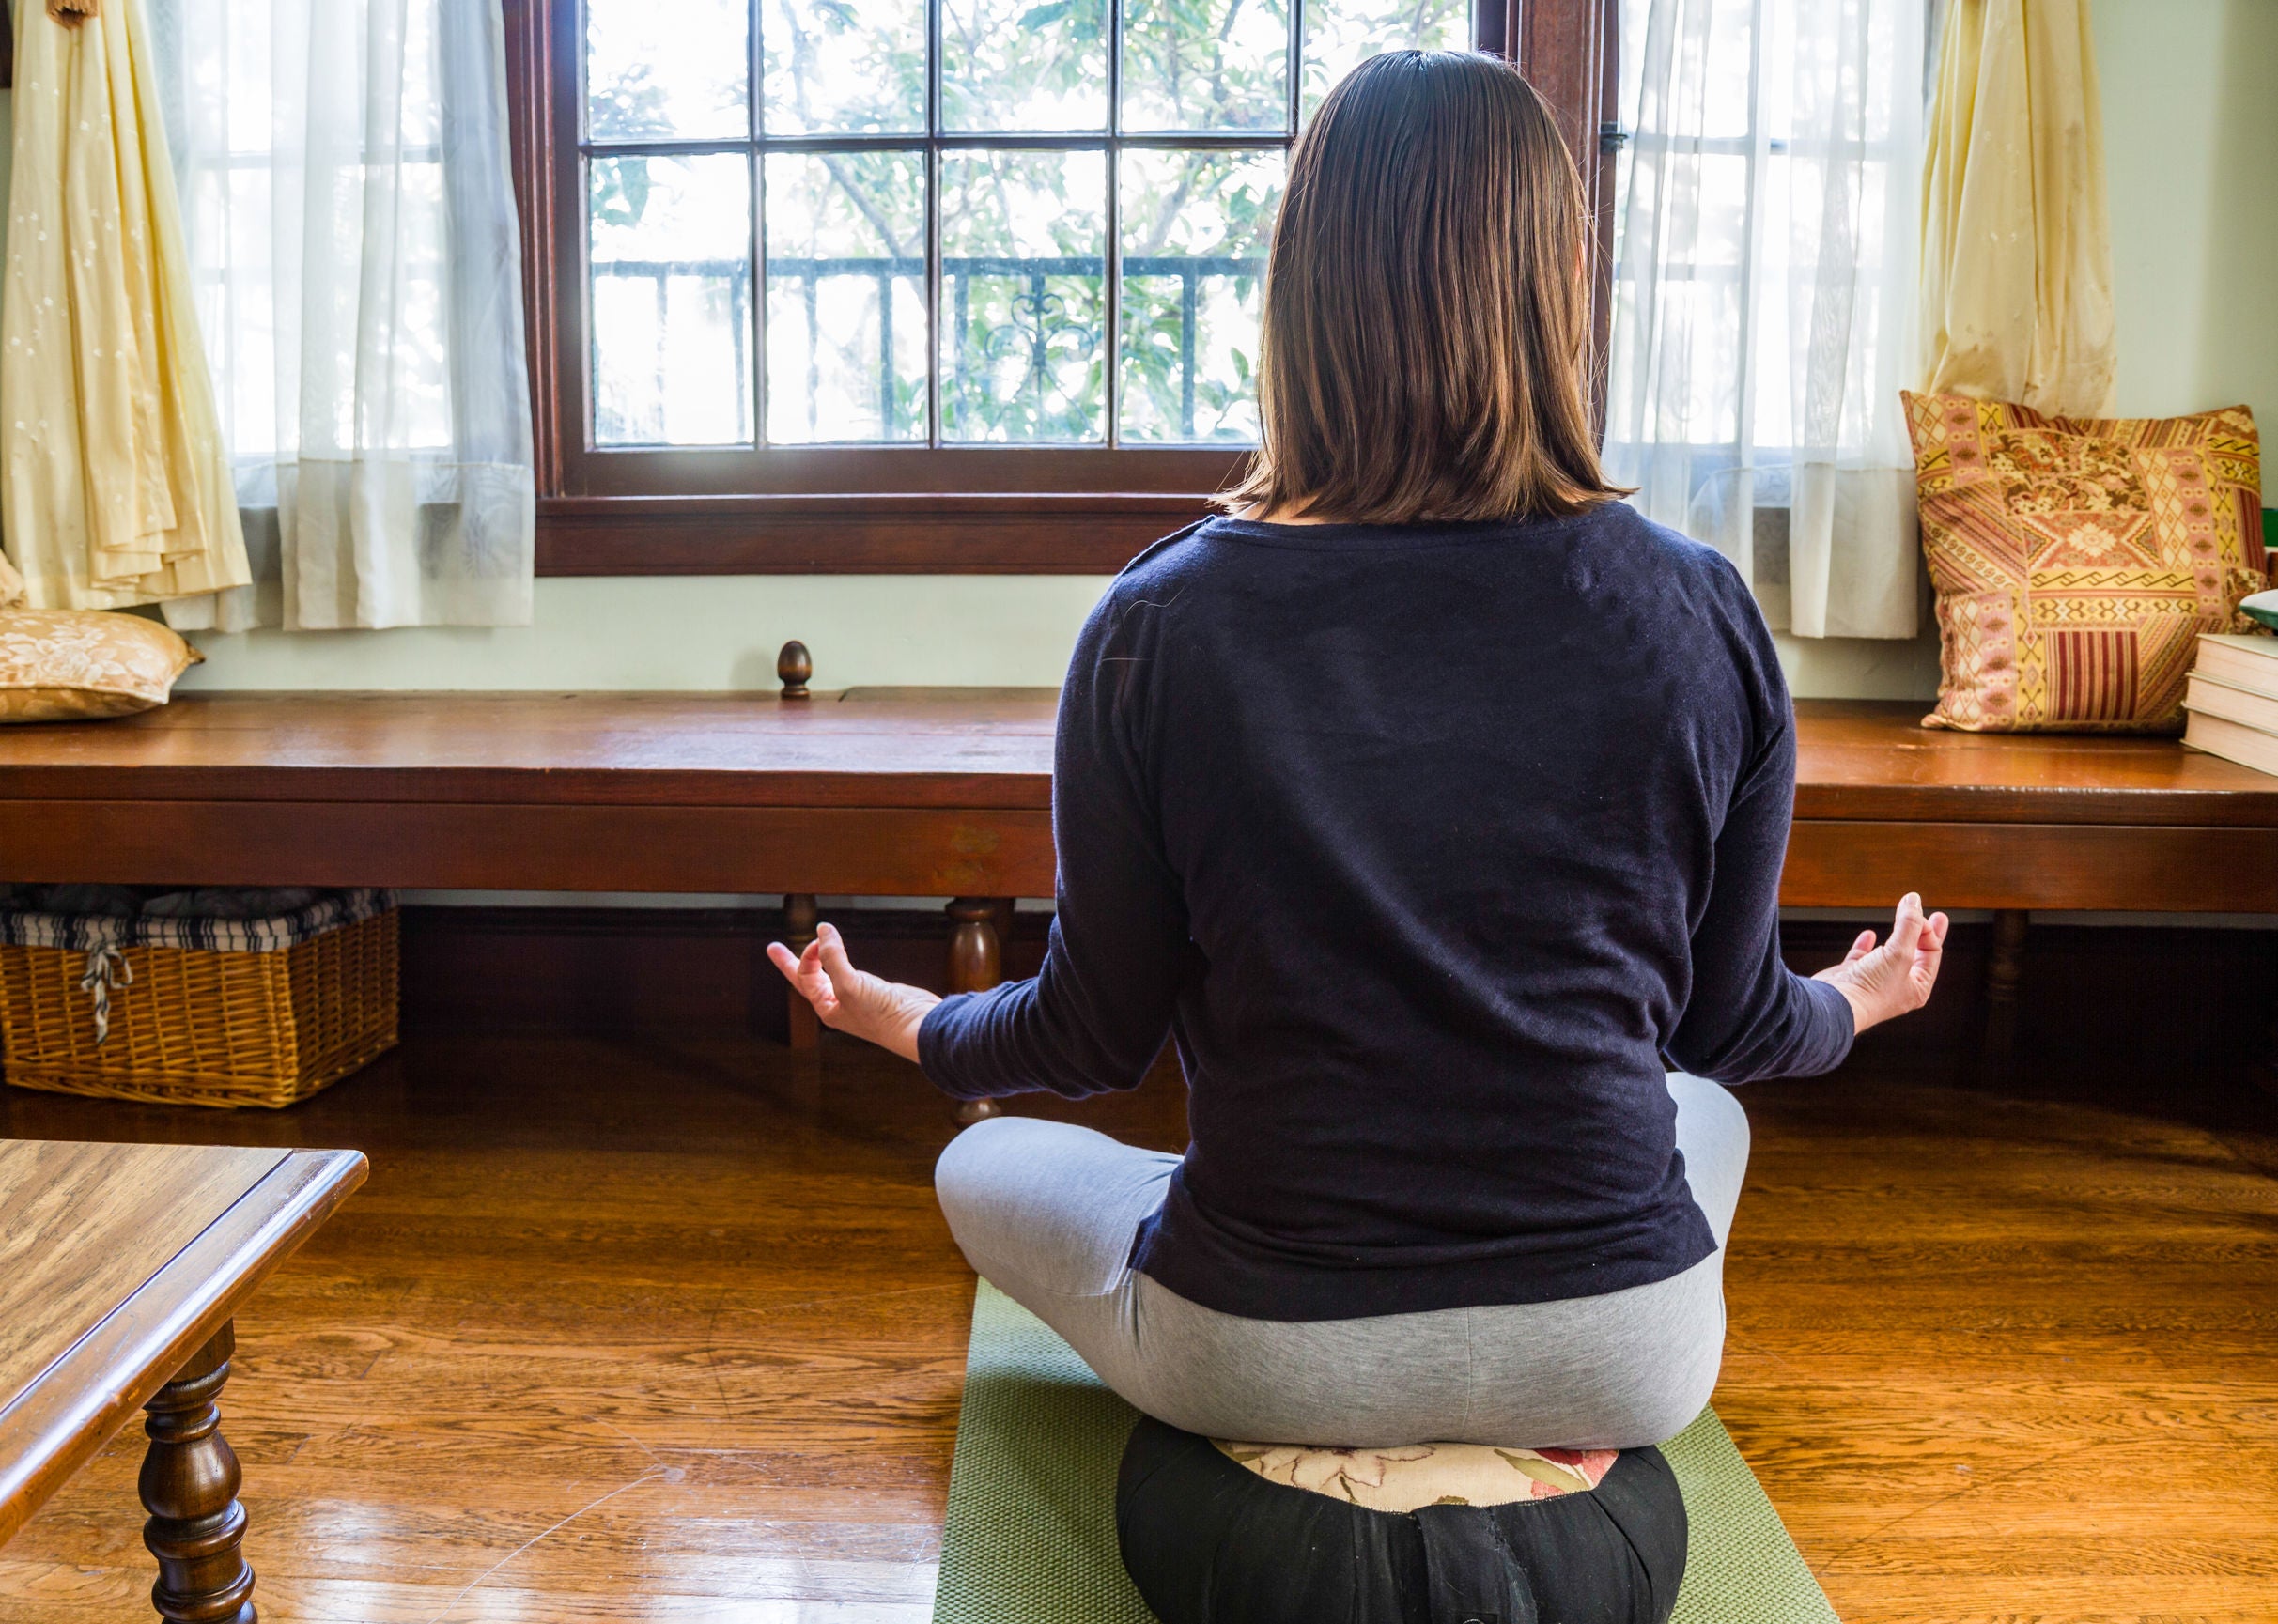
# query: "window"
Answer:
x=938 y=189
x=903 y=284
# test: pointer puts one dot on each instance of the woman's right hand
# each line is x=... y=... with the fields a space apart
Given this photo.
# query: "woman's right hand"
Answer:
x=1882 y=983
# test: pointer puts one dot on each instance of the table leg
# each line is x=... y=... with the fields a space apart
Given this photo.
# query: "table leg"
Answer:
x=976 y=963
x=190 y=1488
x=798 y=930
x=2005 y=972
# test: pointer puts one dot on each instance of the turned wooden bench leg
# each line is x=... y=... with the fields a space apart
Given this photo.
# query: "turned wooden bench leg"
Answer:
x=190 y=1487
x=798 y=930
x=976 y=963
x=2005 y=971
x=795 y=670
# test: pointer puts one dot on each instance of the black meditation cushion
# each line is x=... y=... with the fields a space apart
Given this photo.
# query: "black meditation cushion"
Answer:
x=1217 y=1533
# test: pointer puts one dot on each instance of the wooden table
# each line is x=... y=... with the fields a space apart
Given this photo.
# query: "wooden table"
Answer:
x=120 y=1269
x=891 y=792
x=948 y=791
x=2014 y=821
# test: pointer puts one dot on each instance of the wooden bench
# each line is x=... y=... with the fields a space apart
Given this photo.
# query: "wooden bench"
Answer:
x=2017 y=822
x=947 y=792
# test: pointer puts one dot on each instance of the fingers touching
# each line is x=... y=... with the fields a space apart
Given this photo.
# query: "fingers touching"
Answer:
x=852 y=1000
x=1917 y=942
x=830 y=950
x=1906 y=926
x=1930 y=951
x=810 y=974
x=1889 y=980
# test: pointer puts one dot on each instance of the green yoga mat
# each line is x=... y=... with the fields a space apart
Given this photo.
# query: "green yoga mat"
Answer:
x=1031 y=1500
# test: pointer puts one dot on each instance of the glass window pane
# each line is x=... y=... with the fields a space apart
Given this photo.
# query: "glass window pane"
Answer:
x=1028 y=65
x=1341 y=34
x=1195 y=227
x=837 y=68
x=1205 y=65
x=1023 y=295
x=1719 y=206
x=845 y=297
x=666 y=72
x=671 y=247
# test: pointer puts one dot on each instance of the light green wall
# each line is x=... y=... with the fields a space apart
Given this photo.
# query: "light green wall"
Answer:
x=2191 y=121
x=2191 y=158
x=677 y=632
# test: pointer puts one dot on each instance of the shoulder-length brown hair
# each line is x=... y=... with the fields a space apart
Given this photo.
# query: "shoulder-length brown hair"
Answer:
x=1425 y=309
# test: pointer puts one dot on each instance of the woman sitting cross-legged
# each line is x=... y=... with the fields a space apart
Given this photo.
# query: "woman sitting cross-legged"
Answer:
x=1433 y=802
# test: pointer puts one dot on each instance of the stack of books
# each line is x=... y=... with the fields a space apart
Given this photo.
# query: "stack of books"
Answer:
x=2233 y=699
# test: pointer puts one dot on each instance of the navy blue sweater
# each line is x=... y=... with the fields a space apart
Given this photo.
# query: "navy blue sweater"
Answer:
x=1432 y=848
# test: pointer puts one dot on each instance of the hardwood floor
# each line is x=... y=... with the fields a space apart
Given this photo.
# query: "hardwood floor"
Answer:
x=637 y=1330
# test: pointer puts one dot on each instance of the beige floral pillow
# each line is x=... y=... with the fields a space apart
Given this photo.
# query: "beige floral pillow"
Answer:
x=2078 y=560
x=1414 y=1475
x=72 y=664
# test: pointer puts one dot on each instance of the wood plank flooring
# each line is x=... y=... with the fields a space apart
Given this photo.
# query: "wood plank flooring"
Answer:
x=634 y=1330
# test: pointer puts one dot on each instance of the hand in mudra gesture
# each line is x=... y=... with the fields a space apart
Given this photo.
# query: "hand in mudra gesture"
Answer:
x=1890 y=980
x=852 y=1002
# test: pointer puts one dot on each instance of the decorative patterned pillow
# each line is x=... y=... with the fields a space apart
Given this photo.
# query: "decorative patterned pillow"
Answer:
x=1413 y=1475
x=2077 y=560
x=73 y=664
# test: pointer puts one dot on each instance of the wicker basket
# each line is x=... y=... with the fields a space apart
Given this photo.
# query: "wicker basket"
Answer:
x=226 y=1026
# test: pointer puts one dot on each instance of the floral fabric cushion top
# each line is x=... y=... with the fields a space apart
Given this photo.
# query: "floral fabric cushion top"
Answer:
x=2077 y=560
x=1414 y=1475
x=70 y=665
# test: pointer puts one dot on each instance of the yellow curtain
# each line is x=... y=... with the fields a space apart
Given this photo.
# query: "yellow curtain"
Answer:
x=115 y=486
x=2016 y=244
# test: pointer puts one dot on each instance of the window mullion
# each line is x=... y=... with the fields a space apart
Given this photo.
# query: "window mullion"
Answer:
x=1296 y=65
x=758 y=164
x=664 y=149
x=933 y=222
x=1112 y=338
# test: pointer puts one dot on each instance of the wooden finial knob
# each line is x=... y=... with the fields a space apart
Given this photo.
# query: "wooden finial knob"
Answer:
x=793 y=667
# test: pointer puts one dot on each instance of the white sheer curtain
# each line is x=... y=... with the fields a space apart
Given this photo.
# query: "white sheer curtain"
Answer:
x=1768 y=222
x=352 y=233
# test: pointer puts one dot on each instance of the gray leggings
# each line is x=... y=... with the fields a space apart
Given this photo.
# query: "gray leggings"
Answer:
x=1047 y=1213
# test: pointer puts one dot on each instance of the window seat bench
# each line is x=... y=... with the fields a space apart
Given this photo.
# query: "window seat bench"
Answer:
x=947 y=792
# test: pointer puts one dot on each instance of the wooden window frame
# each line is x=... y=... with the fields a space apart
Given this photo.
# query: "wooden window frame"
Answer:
x=859 y=510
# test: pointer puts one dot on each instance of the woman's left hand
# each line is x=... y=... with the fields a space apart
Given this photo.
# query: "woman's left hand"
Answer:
x=1883 y=981
x=856 y=1002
